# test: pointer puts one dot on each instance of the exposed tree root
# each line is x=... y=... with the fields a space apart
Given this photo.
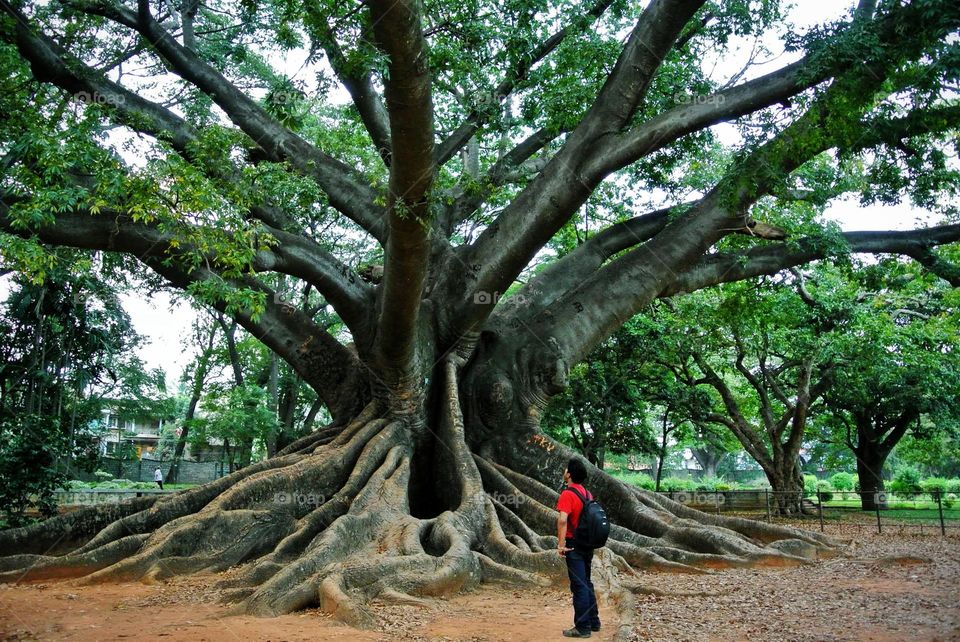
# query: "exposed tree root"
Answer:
x=328 y=523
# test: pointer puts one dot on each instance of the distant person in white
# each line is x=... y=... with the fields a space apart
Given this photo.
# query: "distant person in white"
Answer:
x=158 y=477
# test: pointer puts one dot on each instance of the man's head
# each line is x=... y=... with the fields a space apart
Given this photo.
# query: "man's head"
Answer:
x=576 y=470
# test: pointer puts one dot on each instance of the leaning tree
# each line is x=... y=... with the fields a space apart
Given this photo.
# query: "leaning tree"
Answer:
x=487 y=165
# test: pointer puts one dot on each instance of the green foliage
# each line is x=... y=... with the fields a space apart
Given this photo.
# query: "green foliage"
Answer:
x=825 y=489
x=235 y=414
x=906 y=479
x=28 y=466
x=677 y=484
x=932 y=485
x=65 y=348
x=843 y=481
x=809 y=485
x=601 y=410
x=640 y=480
x=953 y=486
x=715 y=484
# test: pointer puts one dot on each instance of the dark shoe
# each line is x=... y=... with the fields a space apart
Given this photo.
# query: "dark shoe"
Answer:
x=576 y=633
x=595 y=628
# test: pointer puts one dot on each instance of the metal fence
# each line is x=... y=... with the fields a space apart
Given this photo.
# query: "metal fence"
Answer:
x=837 y=512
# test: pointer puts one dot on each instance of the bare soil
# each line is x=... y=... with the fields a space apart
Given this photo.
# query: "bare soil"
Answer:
x=890 y=588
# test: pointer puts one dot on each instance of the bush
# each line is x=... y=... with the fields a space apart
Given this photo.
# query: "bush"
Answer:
x=949 y=500
x=825 y=489
x=103 y=475
x=906 y=480
x=641 y=480
x=933 y=485
x=953 y=486
x=842 y=481
x=677 y=484
x=809 y=485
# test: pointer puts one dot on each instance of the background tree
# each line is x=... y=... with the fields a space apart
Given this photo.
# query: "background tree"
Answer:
x=756 y=348
x=896 y=356
x=64 y=350
x=501 y=132
x=710 y=444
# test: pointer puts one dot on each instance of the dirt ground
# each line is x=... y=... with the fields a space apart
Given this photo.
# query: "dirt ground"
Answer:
x=867 y=596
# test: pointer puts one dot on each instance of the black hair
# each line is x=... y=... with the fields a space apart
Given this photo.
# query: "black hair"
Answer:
x=577 y=470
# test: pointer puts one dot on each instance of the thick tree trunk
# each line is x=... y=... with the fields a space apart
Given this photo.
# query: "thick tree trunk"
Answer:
x=174 y=473
x=786 y=483
x=708 y=459
x=870 y=460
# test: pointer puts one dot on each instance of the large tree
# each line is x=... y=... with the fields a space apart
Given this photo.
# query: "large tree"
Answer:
x=896 y=353
x=477 y=140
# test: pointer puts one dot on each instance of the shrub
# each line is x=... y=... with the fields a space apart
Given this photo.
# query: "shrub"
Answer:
x=713 y=484
x=677 y=484
x=809 y=485
x=932 y=485
x=953 y=486
x=825 y=489
x=641 y=480
x=949 y=500
x=842 y=481
x=102 y=475
x=906 y=480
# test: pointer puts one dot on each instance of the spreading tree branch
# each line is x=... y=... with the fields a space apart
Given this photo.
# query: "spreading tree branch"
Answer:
x=332 y=369
x=768 y=260
x=507 y=245
x=347 y=191
x=453 y=143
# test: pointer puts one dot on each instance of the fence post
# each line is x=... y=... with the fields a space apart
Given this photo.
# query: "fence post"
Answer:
x=820 y=509
x=876 y=507
x=766 y=495
x=943 y=527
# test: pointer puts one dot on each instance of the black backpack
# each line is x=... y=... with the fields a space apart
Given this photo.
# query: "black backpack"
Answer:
x=593 y=529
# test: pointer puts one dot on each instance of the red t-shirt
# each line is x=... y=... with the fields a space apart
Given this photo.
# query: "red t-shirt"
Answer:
x=570 y=504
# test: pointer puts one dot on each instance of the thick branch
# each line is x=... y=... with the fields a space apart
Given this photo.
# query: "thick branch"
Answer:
x=459 y=137
x=398 y=30
x=768 y=260
x=330 y=368
x=359 y=82
x=297 y=256
x=347 y=191
x=623 y=149
x=498 y=175
x=507 y=246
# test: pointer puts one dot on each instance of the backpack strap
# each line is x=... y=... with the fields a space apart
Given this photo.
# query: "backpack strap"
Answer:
x=580 y=495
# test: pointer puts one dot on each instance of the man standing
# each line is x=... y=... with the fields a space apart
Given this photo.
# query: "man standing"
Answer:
x=586 y=617
x=158 y=477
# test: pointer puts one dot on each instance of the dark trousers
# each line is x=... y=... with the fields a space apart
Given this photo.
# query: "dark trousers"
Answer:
x=585 y=612
x=160 y=484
